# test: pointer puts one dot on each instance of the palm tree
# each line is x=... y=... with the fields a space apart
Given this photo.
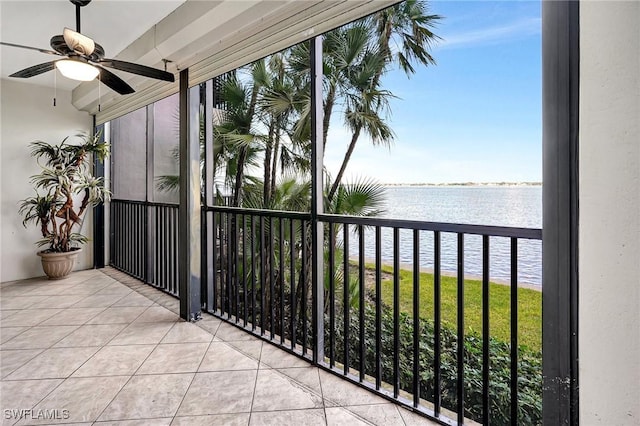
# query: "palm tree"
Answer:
x=284 y=104
x=408 y=26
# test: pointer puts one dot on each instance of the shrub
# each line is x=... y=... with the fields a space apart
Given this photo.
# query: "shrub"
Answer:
x=529 y=365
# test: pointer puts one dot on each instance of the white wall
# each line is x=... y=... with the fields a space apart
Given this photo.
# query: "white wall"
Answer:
x=27 y=114
x=609 y=247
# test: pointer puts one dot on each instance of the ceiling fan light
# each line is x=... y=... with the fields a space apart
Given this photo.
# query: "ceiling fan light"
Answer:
x=77 y=70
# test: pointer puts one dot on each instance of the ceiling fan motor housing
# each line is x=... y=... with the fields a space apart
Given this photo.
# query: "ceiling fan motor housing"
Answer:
x=85 y=60
x=80 y=3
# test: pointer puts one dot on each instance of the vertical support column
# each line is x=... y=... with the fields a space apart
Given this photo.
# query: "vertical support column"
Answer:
x=208 y=254
x=189 y=238
x=560 y=48
x=98 y=211
x=149 y=216
x=317 y=208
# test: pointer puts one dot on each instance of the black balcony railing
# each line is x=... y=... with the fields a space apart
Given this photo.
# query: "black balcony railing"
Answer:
x=257 y=274
x=262 y=273
x=144 y=242
x=421 y=362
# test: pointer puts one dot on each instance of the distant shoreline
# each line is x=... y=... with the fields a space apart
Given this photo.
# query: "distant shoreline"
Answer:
x=408 y=267
x=466 y=184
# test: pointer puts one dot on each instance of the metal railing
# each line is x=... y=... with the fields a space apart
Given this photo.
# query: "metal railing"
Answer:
x=372 y=341
x=257 y=274
x=262 y=283
x=261 y=274
x=144 y=242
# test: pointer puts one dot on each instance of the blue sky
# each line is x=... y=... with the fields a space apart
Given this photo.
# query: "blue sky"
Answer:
x=475 y=116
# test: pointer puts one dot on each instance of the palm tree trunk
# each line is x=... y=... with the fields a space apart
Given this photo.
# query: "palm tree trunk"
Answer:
x=276 y=149
x=328 y=109
x=237 y=189
x=242 y=156
x=345 y=161
x=266 y=187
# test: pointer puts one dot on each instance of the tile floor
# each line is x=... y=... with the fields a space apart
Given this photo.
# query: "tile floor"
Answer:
x=102 y=348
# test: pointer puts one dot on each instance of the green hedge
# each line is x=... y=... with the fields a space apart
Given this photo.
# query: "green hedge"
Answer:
x=529 y=366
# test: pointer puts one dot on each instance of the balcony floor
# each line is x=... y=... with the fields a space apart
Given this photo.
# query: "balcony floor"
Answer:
x=100 y=347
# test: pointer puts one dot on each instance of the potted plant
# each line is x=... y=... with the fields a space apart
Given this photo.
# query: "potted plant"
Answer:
x=65 y=189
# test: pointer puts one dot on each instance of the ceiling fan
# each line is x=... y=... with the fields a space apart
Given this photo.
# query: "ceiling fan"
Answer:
x=83 y=60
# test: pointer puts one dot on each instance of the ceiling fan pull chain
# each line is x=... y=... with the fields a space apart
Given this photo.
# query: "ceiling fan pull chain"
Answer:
x=55 y=86
x=99 y=95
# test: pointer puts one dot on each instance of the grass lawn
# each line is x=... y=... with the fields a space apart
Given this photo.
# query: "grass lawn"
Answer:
x=529 y=306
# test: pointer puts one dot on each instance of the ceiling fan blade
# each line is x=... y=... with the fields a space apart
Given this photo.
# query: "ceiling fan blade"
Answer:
x=138 y=69
x=114 y=82
x=79 y=43
x=34 y=70
x=50 y=52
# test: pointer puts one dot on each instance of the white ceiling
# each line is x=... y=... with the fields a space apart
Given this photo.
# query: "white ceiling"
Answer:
x=207 y=36
x=114 y=24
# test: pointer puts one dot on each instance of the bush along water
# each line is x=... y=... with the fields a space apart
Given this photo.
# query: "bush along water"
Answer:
x=529 y=365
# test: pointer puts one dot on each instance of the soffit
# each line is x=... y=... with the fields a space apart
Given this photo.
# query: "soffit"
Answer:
x=212 y=37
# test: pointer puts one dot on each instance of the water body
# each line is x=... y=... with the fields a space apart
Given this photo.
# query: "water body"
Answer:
x=514 y=206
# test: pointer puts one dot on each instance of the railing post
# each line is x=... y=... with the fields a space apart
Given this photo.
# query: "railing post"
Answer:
x=99 y=210
x=317 y=250
x=208 y=231
x=189 y=210
x=560 y=90
x=149 y=222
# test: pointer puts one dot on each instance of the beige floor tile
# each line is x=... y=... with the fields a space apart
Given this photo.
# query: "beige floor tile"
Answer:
x=251 y=348
x=147 y=397
x=274 y=357
x=240 y=419
x=6 y=313
x=133 y=299
x=85 y=288
x=73 y=316
x=118 y=315
x=219 y=393
x=23 y=394
x=171 y=303
x=15 y=289
x=378 y=414
x=91 y=335
x=115 y=361
x=39 y=337
x=58 y=301
x=84 y=398
x=338 y=416
x=20 y=302
x=144 y=333
x=166 y=421
x=29 y=317
x=412 y=419
x=186 y=332
x=14 y=359
x=209 y=324
x=158 y=314
x=308 y=376
x=98 y=301
x=296 y=417
x=8 y=333
x=341 y=392
x=51 y=289
x=146 y=338
x=174 y=358
x=53 y=363
x=222 y=357
x=275 y=391
x=115 y=288
x=229 y=333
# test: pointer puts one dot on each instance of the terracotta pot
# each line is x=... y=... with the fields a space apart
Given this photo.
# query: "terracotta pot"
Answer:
x=58 y=265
